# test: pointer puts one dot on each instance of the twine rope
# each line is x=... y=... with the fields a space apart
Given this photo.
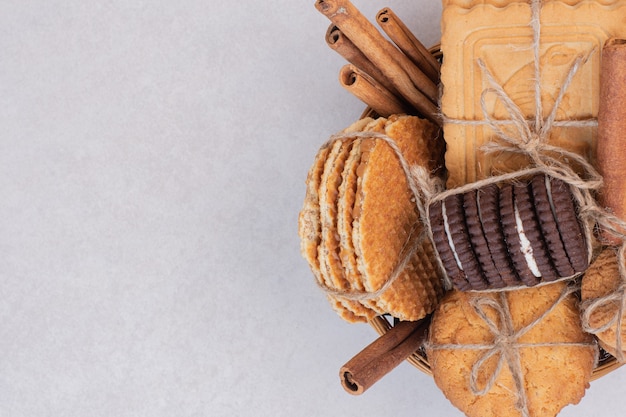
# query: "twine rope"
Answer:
x=506 y=345
x=617 y=296
x=414 y=240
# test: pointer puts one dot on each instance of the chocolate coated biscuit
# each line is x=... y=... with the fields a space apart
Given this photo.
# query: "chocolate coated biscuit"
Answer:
x=568 y=224
x=477 y=237
x=530 y=225
x=512 y=237
x=442 y=245
x=549 y=228
x=489 y=205
x=458 y=226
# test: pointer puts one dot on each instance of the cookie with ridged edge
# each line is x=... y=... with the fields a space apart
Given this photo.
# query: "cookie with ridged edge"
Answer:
x=517 y=248
x=474 y=216
x=489 y=204
x=386 y=218
x=328 y=191
x=326 y=198
x=602 y=279
x=570 y=228
x=458 y=228
x=546 y=213
x=328 y=253
x=347 y=253
x=438 y=219
x=310 y=231
x=528 y=226
x=309 y=224
x=552 y=376
x=345 y=206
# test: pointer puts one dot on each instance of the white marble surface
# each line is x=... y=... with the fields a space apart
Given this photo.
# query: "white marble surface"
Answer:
x=152 y=165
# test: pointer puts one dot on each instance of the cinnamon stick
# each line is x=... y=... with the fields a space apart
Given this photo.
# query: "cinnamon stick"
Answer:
x=611 y=145
x=383 y=355
x=369 y=91
x=340 y=43
x=410 y=82
x=406 y=41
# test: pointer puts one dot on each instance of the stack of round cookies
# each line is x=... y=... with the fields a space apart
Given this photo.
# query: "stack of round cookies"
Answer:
x=360 y=231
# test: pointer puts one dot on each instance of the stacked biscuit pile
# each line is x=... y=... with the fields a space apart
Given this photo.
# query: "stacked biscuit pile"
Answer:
x=516 y=234
x=603 y=279
x=359 y=218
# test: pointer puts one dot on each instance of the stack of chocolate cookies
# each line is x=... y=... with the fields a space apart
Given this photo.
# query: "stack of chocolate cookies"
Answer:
x=509 y=235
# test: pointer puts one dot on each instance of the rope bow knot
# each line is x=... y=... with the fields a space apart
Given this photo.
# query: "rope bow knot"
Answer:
x=506 y=344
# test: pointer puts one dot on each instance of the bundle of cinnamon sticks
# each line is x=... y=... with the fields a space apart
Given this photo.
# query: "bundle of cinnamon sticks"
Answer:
x=391 y=77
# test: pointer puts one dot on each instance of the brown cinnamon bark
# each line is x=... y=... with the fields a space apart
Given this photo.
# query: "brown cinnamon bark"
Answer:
x=611 y=146
x=340 y=43
x=414 y=86
x=365 y=88
x=406 y=41
x=383 y=355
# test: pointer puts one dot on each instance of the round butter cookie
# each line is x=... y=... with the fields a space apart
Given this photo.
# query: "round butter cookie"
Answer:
x=601 y=280
x=515 y=353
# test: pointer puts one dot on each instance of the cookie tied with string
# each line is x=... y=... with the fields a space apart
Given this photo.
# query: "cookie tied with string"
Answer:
x=516 y=353
x=509 y=234
x=603 y=302
x=360 y=229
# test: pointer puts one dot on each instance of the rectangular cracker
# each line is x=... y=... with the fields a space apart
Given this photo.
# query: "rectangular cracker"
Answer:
x=499 y=33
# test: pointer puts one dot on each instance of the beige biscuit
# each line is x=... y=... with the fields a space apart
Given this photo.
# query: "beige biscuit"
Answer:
x=309 y=226
x=384 y=213
x=309 y=229
x=345 y=204
x=328 y=192
x=347 y=191
x=501 y=37
x=344 y=312
x=552 y=376
x=385 y=216
x=343 y=186
x=329 y=252
x=601 y=279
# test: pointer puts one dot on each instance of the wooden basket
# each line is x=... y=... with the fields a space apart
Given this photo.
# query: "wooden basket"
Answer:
x=606 y=362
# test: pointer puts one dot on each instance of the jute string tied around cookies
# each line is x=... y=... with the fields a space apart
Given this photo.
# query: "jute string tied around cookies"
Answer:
x=418 y=233
x=519 y=135
x=529 y=137
x=618 y=296
x=506 y=345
